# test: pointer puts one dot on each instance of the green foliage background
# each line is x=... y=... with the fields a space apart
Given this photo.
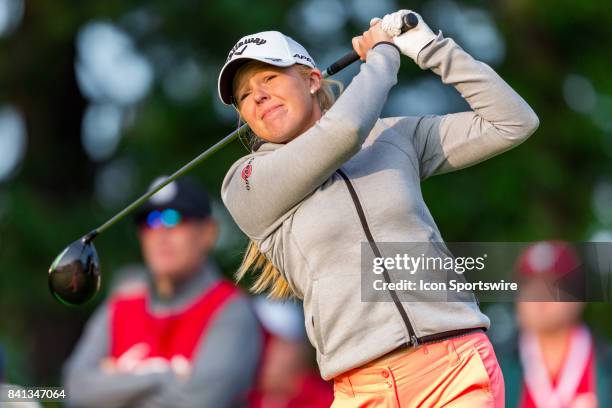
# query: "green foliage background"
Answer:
x=541 y=190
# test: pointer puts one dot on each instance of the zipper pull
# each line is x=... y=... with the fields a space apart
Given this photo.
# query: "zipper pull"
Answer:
x=414 y=340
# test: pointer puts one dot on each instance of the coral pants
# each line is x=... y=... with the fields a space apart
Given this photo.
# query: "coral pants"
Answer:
x=456 y=373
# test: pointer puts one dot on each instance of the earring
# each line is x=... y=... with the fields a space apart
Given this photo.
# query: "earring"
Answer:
x=312 y=91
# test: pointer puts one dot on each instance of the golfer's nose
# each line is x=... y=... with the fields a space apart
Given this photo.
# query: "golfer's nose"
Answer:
x=260 y=95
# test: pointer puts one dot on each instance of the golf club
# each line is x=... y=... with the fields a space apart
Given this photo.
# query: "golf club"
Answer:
x=74 y=275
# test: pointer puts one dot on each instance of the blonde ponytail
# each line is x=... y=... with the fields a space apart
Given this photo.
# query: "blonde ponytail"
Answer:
x=269 y=277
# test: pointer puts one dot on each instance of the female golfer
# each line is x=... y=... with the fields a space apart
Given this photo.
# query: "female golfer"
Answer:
x=325 y=177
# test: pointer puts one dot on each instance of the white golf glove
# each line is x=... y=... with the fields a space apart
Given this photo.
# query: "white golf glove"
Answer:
x=412 y=41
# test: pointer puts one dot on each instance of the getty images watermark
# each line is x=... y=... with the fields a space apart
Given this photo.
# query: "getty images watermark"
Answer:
x=411 y=265
x=483 y=271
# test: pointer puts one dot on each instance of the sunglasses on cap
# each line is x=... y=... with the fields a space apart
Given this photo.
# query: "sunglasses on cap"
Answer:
x=167 y=218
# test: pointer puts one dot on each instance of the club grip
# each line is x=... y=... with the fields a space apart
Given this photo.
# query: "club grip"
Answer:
x=342 y=63
x=409 y=20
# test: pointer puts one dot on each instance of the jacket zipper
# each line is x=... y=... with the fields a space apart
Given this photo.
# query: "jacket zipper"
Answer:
x=366 y=229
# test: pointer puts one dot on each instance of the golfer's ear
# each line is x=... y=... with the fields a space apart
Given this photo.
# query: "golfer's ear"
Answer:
x=315 y=79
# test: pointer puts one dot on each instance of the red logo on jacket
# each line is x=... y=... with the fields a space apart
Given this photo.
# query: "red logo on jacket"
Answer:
x=246 y=173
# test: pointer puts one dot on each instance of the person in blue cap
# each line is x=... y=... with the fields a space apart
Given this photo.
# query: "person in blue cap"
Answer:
x=169 y=334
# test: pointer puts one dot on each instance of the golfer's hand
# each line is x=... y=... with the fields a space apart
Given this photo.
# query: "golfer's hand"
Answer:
x=412 y=41
x=364 y=43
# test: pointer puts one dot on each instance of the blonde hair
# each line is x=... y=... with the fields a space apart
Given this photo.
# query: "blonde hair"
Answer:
x=269 y=278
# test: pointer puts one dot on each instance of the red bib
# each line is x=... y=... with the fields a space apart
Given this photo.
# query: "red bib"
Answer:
x=576 y=379
x=167 y=335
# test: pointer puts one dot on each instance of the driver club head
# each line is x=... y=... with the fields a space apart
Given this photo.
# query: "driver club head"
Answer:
x=74 y=276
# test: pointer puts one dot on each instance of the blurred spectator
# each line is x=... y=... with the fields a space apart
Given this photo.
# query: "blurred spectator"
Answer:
x=177 y=333
x=288 y=378
x=555 y=362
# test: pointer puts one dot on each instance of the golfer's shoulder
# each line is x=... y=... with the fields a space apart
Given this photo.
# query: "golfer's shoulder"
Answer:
x=239 y=170
x=237 y=180
x=237 y=165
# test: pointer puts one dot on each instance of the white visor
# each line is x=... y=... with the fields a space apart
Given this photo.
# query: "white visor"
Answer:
x=271 y=47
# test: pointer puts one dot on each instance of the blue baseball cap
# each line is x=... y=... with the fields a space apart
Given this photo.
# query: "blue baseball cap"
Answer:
x=182 y=195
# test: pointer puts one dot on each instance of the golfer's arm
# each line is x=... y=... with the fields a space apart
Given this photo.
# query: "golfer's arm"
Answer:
x=500 y=119
x=282 y=178
x=87 y=386
x=225 y=364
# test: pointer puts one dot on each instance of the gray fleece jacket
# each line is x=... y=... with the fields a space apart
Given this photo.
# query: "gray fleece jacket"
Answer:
x=354 y=177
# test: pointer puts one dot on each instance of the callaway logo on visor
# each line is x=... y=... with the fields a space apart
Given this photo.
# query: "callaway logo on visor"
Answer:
x=244 y=44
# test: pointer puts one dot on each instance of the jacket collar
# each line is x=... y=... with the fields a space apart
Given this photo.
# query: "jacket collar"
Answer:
x=263 y=146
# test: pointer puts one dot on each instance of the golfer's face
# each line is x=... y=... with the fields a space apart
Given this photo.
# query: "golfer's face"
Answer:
x=276 y=103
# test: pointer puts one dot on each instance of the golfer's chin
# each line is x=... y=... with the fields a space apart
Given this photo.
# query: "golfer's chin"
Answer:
x=282 y=126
